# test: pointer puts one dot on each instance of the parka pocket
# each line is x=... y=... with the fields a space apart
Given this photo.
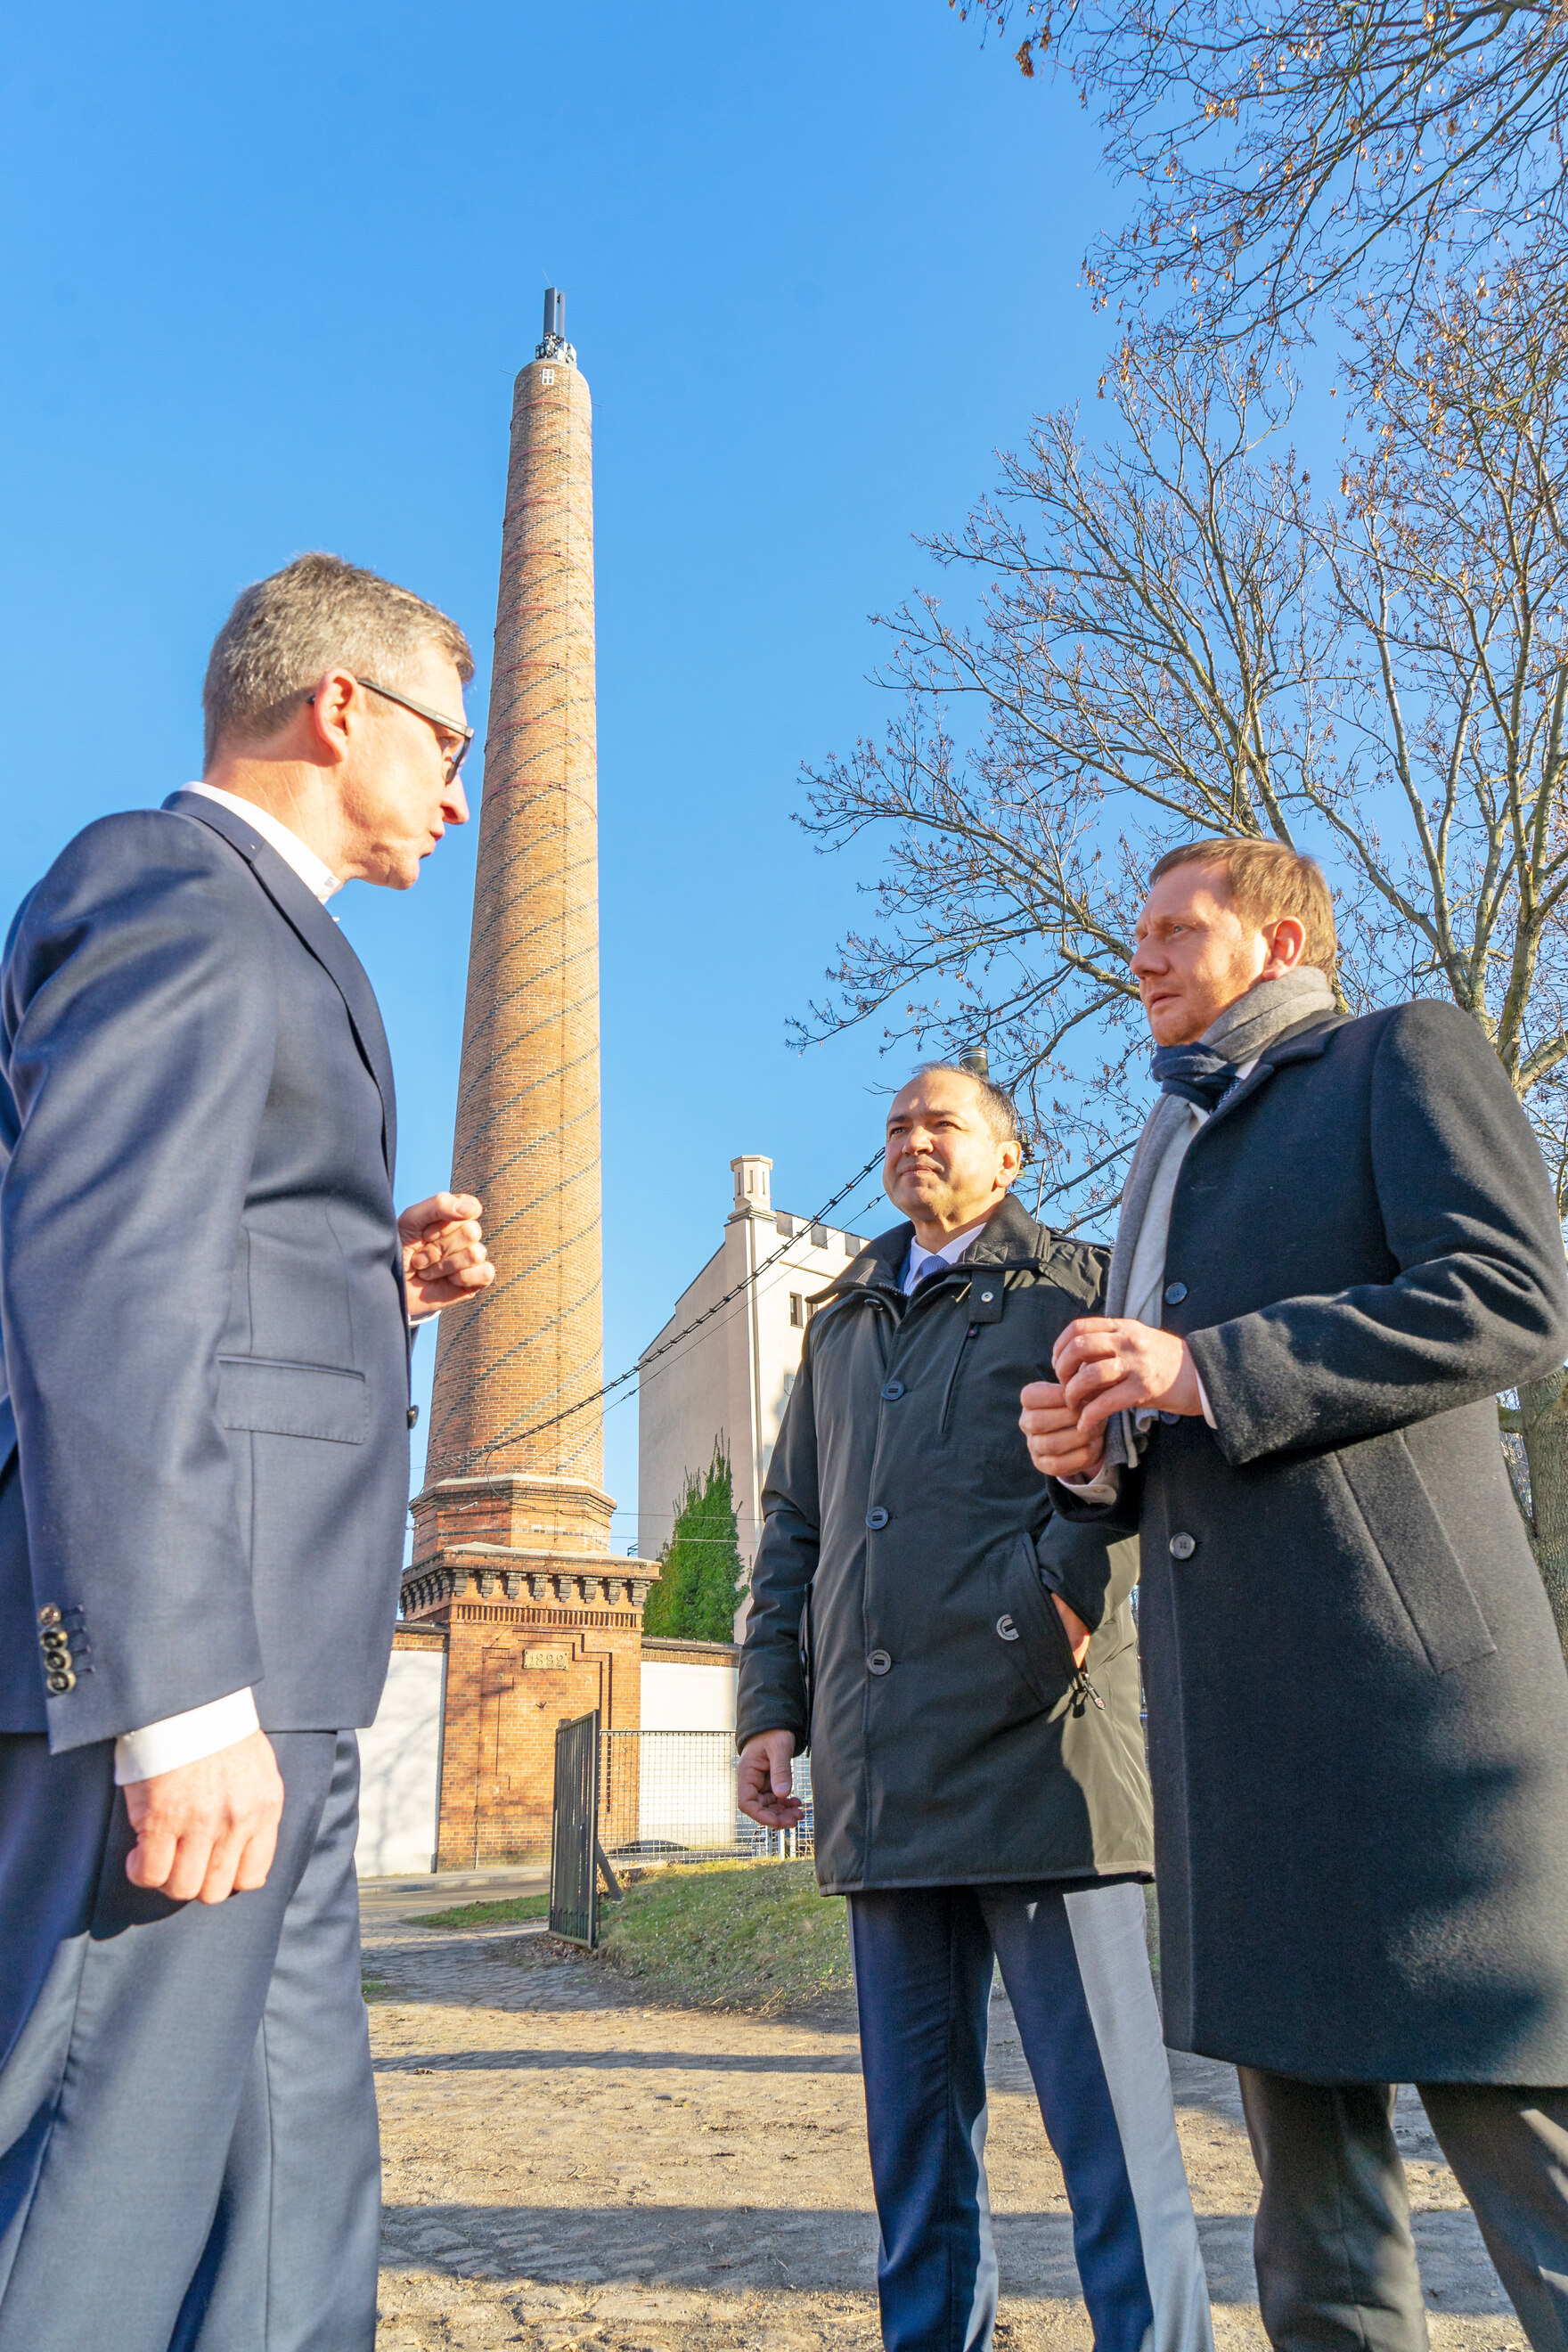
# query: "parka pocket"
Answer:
x=1026 y=1625
x=966 y=1349
x=807 y=1645
x=1410 y=1539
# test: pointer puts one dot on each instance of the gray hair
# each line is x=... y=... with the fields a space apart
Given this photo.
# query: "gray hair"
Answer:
x=318 y=614
x=997 y=1105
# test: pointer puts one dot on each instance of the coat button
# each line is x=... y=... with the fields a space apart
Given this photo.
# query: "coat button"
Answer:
x=413 y=1415
x=877 y=1663
x=1005 y=1627
x=1174 y=1293
x=1182 y=1546
x=49 y=1614
x=986 y=1297
x=60 y=1682
x=893 y=1392
x=877 y=1517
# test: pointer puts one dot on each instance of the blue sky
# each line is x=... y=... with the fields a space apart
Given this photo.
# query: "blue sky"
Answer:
x=271 y=274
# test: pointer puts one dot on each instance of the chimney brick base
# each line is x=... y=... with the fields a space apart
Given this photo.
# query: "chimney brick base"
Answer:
x=542 y=1624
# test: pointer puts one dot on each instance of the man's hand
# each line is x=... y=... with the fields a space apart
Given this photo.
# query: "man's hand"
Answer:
x=1078 y=1632
x=1109 y=1366
x=1057 y=1447
x=444 y=1255
x=763 y=1788
x=207 y=1830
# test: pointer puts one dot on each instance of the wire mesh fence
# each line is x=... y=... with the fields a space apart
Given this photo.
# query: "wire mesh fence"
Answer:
x=669 y=1796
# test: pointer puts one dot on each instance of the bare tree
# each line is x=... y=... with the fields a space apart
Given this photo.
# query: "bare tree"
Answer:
x=1281 y=149
x=1146 y=663
x=1173 y=636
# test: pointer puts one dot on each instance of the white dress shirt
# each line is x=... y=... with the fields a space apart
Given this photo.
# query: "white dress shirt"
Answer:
x=318 y=879
x=921 y=1261
x=202 y=1731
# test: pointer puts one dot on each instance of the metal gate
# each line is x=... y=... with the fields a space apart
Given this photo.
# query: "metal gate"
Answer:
x=573 y=1834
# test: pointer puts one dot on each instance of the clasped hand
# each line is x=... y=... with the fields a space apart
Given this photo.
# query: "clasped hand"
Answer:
x=444 y=1253
x=1104 y=1365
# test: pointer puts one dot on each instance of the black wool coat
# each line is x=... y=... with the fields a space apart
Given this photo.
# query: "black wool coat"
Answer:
x=1358 y=1708
x=900 y=1618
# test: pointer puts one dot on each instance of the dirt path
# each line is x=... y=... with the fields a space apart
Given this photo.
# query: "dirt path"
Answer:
x=566 y=2164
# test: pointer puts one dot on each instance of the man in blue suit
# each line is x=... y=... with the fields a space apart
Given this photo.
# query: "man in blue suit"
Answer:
x=206 y=1299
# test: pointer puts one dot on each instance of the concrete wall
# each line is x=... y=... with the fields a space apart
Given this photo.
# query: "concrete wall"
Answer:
x=688 y=1698
x=683 y=1404
x=400 y=1768
x=733 y=1379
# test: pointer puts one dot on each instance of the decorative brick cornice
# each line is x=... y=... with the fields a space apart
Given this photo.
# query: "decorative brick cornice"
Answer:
x=496 y=1572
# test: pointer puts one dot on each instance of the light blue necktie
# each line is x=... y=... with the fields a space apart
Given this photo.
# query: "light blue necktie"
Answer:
x=933 y=1264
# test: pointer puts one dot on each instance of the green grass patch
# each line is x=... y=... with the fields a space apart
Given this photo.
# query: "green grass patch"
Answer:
x=755 y=1936
x=487 y=1915
x=375 y=1988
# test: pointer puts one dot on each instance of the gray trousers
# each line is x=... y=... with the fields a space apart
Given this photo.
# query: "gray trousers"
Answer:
x=189 y=2158
x=1336 y=2262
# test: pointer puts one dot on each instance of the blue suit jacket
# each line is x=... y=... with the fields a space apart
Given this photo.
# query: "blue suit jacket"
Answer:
x=201 y=1288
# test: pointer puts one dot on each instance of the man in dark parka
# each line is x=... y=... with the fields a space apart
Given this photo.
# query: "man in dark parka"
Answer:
x=978 y=1776
x=1337 y=1245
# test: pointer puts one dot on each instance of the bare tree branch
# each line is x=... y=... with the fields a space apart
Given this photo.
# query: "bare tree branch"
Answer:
x=1169 y=635
x=1284 y=150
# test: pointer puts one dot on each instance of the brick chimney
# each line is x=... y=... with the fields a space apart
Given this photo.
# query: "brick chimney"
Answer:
x=513 y=1530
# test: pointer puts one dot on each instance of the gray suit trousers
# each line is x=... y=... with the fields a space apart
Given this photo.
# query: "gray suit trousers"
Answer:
x=1336 y=2262
x=188 y=2150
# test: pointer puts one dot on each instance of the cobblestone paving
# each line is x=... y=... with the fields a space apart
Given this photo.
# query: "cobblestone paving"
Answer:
x=566 y=2164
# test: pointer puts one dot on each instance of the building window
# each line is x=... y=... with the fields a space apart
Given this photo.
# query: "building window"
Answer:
x=796 y=1310
x=785 y=1224
x=820 y=1237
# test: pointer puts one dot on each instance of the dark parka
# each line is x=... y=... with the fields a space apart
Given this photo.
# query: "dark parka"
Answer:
x=1358 y=1710
x=907 y=1545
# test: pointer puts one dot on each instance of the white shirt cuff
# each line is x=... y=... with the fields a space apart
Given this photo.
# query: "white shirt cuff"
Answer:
x=184 y=1738
x=1102 y=1488
x=1204 y=1399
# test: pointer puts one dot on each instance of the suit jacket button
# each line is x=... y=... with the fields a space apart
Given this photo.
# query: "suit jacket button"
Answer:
x=1174 y=1293
x=877 y=1517
x=877 y=1663
x=413 y=1415
x=49 y=1614
x=62 y=1681
x=1182 y=1546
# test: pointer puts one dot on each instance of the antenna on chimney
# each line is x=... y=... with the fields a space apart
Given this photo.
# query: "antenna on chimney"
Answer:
x=553 y=344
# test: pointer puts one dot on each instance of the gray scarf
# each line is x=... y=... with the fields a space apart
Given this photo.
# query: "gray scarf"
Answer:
x=1243 y=1033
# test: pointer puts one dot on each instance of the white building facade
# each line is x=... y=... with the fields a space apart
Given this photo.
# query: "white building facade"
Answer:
x=731 y=1380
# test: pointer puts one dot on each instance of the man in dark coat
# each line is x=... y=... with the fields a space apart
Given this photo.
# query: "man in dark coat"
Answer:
x=978 y=1774
x=1337 y=1244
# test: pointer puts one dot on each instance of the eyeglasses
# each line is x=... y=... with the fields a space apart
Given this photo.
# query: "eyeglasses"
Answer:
x=431 y=718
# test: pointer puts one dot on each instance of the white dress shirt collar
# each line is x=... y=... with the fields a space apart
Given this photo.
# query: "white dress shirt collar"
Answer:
x=318 y=879
x=950 y=1253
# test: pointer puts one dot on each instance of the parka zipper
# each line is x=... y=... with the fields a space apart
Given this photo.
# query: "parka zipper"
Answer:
x=1083 y=1688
